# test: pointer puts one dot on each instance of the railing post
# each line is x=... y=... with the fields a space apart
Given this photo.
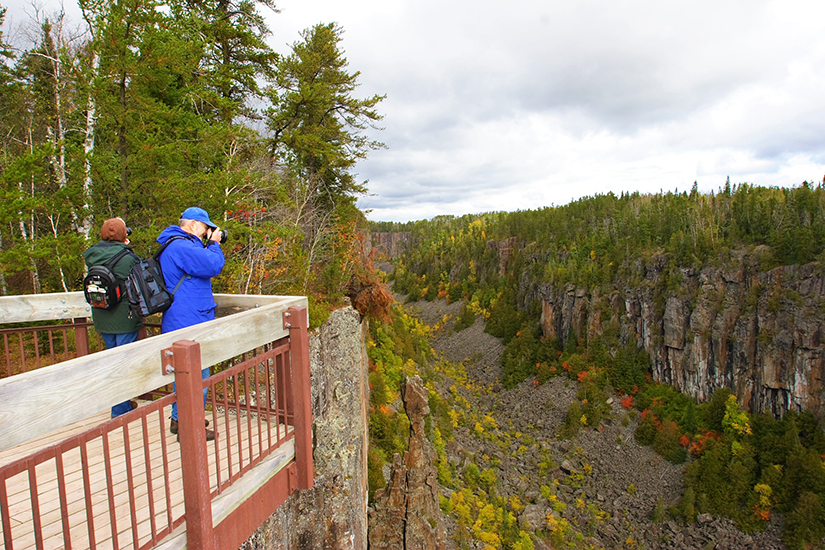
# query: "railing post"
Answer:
x=186 y=360
x=297 y=321
x=81 y=336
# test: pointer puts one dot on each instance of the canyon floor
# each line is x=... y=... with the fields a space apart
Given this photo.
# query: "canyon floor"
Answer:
x=601 y=469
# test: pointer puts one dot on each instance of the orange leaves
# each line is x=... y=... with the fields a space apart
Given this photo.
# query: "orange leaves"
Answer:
x=761 y=514
x=700 y=442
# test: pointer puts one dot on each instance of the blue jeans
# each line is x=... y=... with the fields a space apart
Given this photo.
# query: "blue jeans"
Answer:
x=113 y=341
x=204 y=376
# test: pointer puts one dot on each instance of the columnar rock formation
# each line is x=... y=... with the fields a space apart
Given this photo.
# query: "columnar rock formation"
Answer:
x=405 y=513
x=759 y=333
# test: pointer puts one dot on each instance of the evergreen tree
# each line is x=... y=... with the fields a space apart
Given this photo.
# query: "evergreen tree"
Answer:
x=318 y=126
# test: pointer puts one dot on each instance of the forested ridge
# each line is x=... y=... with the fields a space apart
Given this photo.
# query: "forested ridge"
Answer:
x=144 y=108
x=740 y=465
x=592 y=240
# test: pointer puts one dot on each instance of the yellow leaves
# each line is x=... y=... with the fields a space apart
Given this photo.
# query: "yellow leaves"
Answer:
x=555 y=525
x=735 y=420
x=489 y=422
x=762 y=510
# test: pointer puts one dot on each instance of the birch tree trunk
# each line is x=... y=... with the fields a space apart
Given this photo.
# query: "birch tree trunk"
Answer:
x=28 y=237
x=88 y=148
x=54 y=221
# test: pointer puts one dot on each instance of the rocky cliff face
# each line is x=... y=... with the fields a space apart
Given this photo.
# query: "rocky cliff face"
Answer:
x=405 y=513
x=333 y=514
x=759 y=333
x=389 y=245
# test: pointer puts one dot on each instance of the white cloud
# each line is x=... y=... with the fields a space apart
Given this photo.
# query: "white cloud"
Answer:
x=521 y=105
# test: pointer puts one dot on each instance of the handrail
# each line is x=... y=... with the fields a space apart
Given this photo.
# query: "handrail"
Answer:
x=70 y=305
x=264 y=351
x=37 y=402
x=43 y=307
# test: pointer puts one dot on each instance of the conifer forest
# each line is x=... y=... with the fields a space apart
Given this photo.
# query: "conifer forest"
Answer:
x=142 y=109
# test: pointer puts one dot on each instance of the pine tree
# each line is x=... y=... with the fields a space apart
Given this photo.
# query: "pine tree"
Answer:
x=318 y=126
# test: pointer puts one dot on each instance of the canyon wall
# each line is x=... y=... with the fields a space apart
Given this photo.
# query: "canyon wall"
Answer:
x=389 y=245
x=756 y=331
x=759 y=333
x=333 y=514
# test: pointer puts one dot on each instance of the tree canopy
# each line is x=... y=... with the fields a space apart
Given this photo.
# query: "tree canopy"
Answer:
x=157 y=106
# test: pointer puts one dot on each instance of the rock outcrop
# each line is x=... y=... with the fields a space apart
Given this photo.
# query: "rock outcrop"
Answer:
x=406 y=513
x=759 y=333
x=389 y=245
x=333 y=514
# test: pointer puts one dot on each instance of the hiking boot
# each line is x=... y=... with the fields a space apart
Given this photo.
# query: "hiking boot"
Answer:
x=173 y=426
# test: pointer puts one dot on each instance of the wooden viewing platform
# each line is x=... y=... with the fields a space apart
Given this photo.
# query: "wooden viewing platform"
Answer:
x=18 y=488
x=96 y=482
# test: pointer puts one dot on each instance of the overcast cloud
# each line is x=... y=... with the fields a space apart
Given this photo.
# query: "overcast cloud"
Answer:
x=505 y=106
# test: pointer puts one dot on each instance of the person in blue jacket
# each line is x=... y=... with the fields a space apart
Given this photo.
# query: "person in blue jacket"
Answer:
x=196 y=263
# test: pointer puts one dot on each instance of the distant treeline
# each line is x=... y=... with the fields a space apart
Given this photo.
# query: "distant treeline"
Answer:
x=591 y=240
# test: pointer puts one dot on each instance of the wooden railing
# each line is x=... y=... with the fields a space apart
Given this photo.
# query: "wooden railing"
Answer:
x=259 y=403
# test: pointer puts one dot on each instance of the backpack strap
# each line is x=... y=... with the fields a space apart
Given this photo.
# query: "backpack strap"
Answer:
x=167 y=243
x=110 y=265
x=180 y=282
x=157 y=256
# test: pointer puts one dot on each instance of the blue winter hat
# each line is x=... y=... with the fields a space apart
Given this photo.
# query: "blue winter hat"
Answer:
x=199 y=214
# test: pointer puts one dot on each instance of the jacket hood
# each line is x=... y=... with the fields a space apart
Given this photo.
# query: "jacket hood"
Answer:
x=173 y=231
x=103 y=251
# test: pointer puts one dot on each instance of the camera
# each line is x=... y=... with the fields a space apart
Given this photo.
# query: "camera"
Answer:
x=128 y=231
x=224 y=235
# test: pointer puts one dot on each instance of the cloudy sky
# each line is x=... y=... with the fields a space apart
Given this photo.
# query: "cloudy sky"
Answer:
x=524 y=104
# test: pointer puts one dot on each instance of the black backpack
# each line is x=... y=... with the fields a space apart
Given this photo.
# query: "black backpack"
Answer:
x=145 y=286
x=101 y=288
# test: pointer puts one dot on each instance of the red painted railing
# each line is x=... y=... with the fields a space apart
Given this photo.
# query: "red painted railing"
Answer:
x=28 y=348
x=118 y=485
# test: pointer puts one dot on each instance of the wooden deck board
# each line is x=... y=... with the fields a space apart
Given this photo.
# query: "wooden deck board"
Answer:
x=20 y=498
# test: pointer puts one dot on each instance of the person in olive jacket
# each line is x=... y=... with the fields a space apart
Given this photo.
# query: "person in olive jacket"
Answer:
x=119 y=325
